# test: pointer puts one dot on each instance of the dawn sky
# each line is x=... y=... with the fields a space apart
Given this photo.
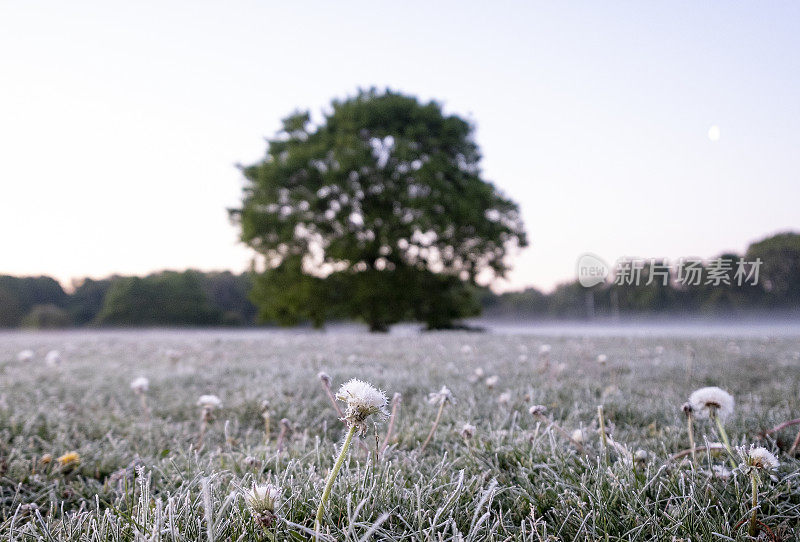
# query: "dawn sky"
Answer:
x=621 y=128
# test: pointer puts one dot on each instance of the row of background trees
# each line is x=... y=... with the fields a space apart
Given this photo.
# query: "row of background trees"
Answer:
x=194 y=298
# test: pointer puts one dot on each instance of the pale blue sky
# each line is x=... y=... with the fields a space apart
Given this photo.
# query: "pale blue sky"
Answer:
x=120 y=123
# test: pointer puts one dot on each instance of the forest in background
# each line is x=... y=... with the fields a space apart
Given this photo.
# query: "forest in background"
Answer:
x=196 y=298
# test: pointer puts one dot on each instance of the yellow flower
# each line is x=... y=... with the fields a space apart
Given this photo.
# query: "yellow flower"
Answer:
x=69 y=459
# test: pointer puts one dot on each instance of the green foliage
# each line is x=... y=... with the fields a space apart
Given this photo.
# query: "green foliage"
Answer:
x=18 y=295
x=386 y=191
x=47 y=317
x=781 y=268
x=86 y=301
x=229 y=294
x=168 y=298
x=288 y=296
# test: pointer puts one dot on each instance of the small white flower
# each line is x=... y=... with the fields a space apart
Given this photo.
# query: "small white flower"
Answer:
x=492 y=381
x=504 y=398
x=140 y=385
x=760 y=458
x=442 y=396
x=262 y=500
x=209 y=402
x=711 y=401
x=602 y=359
x=53 y=358
x=468 y=431
x=25 y=355
x=363 y=400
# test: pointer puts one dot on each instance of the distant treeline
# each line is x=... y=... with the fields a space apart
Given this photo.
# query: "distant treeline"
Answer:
x=718 y=293
x=168 y=298
x=195 y=298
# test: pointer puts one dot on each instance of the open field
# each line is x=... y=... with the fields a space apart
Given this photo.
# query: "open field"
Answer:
x=519 y=477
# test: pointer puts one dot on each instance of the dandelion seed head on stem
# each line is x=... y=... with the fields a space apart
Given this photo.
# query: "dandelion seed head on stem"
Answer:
x=759 y=458
x=209 y=402
x=538 y=410
x=444 y=395
x=363 y=400
x=711 y=401
x=467 y=431
x=140 y=385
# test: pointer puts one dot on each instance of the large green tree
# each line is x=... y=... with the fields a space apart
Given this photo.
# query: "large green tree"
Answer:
x=375 y=212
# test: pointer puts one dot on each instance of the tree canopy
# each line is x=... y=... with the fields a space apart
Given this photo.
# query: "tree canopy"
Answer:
x=379 y=212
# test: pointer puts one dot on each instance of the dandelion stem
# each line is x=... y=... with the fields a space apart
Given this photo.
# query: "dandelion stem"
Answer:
x=690 y=423
x=265 y=415
x=753 y=518
x=795 y=444
x=326 y=386
x=395 y=409
x=145 y=408
x=684 y=453
x=724 y=437
x=435 y=425
x=331 y=478
x=601 y=420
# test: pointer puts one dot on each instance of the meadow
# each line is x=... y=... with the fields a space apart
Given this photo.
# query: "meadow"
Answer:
x=83 y=456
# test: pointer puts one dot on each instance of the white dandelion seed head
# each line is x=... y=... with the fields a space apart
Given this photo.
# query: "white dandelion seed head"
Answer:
x=262 y=497
x=25 y=355
x=721 y=472
x=504 y=398
x=467 y=431
x=544 y=349
x=140 y=385
x=602 y=359
x=760 y=458
x=209 y=402
x=263 y=500
x=479 y=372
x=640 y=456
x=444 y=395
x=538 y=410
x=492 y=381
x=363 y=400
x=711 y=401
x=53 y=358
x=577 y=436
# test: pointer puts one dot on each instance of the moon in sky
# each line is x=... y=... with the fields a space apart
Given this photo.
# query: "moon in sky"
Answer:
x=713 y=133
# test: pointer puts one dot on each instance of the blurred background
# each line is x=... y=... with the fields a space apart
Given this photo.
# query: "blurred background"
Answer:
x=620 y=129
